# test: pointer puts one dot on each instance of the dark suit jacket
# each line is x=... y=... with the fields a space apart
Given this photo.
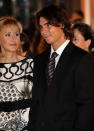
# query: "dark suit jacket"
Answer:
x=68 y=104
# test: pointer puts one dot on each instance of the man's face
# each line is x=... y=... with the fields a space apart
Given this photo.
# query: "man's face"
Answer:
x=51 y=34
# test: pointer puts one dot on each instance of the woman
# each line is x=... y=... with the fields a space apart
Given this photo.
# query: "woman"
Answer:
x=83 y=37
x=15 y=78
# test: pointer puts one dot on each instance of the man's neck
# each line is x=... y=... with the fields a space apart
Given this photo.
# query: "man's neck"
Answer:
x=58 y=44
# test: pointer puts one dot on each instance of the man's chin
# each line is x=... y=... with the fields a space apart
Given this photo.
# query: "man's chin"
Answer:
x=48 y=41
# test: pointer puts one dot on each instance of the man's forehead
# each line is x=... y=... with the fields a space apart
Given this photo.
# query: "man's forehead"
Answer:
x=43 y=21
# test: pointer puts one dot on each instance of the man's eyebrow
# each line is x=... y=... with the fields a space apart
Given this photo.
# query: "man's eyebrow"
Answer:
x=45 y=24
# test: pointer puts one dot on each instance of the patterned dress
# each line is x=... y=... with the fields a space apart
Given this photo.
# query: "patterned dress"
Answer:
x=16 y=81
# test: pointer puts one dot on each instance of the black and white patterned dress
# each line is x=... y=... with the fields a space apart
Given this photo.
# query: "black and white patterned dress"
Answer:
x=16 y=81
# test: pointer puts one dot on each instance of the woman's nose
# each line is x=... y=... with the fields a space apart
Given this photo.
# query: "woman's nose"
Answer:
x=13 y=37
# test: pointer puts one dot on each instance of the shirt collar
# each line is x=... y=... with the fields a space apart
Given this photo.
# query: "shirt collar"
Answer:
x=61 y=48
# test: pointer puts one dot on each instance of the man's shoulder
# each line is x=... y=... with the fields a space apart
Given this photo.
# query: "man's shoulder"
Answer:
x=79 y=52
x=78 y=55
x=81 y=55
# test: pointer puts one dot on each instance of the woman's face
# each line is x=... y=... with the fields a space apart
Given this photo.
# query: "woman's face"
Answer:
x=80 y=41
x=9 y=38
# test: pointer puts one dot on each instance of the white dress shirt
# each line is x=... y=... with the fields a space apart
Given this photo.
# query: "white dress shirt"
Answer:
x=59 y=51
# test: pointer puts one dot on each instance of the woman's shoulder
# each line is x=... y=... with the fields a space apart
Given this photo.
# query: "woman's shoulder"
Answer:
x=25 y=59
x=29 y=59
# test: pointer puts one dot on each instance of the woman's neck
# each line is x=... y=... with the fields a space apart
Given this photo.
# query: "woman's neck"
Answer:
x=10 y=57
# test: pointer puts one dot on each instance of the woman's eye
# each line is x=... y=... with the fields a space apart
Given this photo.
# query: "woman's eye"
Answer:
x=7 y=34
x=75 y=39
x=17 y=34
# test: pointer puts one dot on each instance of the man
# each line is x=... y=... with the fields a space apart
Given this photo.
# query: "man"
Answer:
x=64 y=102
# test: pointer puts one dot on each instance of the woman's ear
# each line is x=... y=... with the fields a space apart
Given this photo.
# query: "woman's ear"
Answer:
x=88 y=42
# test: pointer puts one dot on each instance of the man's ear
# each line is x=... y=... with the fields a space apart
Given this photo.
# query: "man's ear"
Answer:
x=61 y=26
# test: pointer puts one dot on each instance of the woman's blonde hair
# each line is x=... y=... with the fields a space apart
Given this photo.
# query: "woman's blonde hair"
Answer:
x=5 y=20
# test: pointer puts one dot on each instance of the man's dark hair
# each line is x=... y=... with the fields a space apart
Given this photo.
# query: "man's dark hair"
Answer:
x=56 y=16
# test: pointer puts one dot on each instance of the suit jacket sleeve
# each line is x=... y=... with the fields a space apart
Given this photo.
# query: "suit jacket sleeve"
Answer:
x=85 y=95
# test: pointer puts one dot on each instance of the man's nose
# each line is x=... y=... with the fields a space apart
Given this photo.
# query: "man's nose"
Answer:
x=44 y=30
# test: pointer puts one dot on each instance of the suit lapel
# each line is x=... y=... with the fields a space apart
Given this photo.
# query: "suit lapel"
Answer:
x=44 y=61
x=62 y=63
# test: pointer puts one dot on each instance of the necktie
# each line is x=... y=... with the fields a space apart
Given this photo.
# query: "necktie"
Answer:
x=51 y=67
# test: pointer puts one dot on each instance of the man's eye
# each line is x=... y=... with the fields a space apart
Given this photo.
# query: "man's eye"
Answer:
x=48 y=25
x=40 y=27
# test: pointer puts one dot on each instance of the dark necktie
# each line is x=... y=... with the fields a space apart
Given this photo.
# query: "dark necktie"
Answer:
x=51 y=67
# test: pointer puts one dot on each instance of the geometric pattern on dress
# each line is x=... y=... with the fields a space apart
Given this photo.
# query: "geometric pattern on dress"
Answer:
x=15 y=79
